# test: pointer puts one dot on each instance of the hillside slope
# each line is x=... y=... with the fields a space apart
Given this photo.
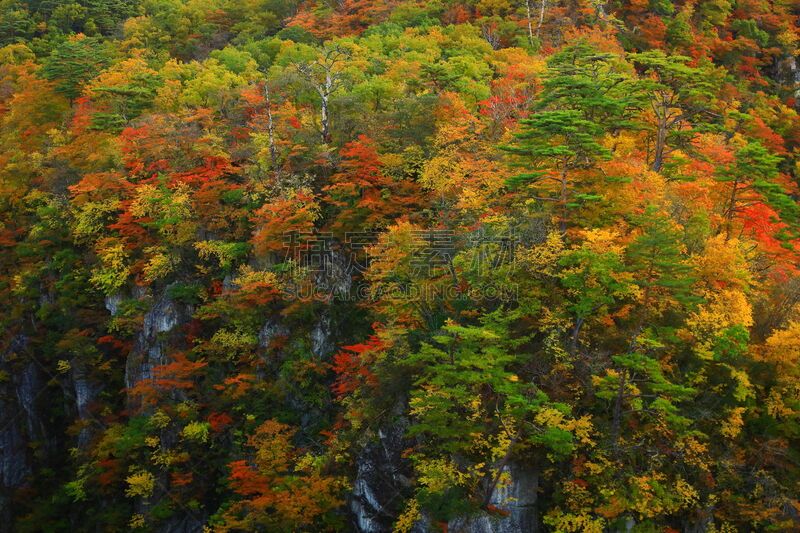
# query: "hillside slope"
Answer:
x=480 y=266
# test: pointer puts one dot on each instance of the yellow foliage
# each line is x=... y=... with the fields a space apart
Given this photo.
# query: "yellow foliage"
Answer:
x=90 y=220
x=418 y=405
x=724 y=527
x=113 y=271
x=441 y=173
x=136 y=521
x=196 y=431
x=723 y=309
x=165 y=458
x=249 y=276
x=646 y=501
x=733 y=425
x=475 y=408
x=159 y=419
x=598 y=466
x=140 y=484
x=723 y=262
x=145 y=196
x=574 y=523
x=687 y=493
x=160 y=264
x=743 y=389
x=694 y=452
x=776 y=404
x=519 y=60
x=582 y=428
x=439 y=474
x=543 y=258
x=550 y=417
x=119 y=75
x=624 y=144
x=783 y=347
x=174 y=205
x=233 y=343
x=409 y=517
x=602 y=241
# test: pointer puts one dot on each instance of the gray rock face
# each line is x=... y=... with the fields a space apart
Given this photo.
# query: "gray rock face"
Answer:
x=85 y=392
x=378 y=488
x=786 y=71
x=271 y=329
x=13 y=460
x=14 y=467
x=184 y=522
x=113 y=302
x=149 y=350
x=151 y=346
x=334 y=275
x=379 y=484
x=20 y=422
x=517 y=498
x=28 y=387
x=322 y=344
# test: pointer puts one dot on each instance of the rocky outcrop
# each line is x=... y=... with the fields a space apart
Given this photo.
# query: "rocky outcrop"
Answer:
x=113 y=302
x=184 y=522
x=29 y=385
x=14 y=467
x=271 y=330
x=20 y=422
x=150 y=348
x=380 y=488
x=333 y=275
x=160 y=327
x=786 y=72
x=515 y=501
x=381 y=482
x=322 y=342
x=85 y=392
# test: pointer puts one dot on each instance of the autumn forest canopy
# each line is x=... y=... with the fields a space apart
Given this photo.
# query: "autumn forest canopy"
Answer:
x=473 y=266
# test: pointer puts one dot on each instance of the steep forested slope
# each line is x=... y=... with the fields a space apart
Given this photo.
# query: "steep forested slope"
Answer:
x=481 y=265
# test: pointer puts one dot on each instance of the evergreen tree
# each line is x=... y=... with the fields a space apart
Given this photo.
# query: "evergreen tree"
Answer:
x=683 y=99
x=596 y=84
x=658 y=262
x=74 y=62
x=551 y=145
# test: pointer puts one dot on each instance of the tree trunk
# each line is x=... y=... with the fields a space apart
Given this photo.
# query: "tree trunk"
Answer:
x=563 y=222
x=530 y=25
x=662 y=113
x=324 y=119
x=730 y=211
x=660 y=145
x=576 y=331
x=616 y=421
x=273 y=152
x=541 y=17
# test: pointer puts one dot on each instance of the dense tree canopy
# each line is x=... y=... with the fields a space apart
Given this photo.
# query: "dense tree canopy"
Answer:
x=246 y=245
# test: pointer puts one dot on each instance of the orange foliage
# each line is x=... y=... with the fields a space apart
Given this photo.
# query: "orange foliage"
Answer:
x=351 y=365
x=349 y=17
x=178 y=374
x=366 y=197
x=281 y=492
x=654 y=31
x=763 y=223
x=276 y=220
x=238 y=385
x=219 y=421
x=181 y=479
